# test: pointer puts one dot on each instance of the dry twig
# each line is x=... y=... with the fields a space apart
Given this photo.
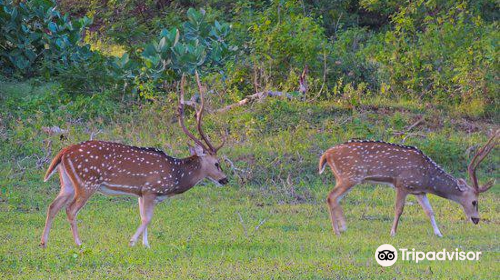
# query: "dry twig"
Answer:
x=243 y=224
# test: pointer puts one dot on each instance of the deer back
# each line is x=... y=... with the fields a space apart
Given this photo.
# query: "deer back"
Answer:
x=361 y=160
x=126 y=169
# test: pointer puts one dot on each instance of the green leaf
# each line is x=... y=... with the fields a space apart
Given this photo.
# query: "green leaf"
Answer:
x=60 y=43
x=124 y=59
x=177 y=35
x=13 y=14
x=149 y=50
x=52 y=27
x=162 y=45
x=193 y=15
x=20 y=62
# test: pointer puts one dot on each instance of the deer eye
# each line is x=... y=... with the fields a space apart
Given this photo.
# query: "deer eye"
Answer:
x=474 y=203
x=217 y=165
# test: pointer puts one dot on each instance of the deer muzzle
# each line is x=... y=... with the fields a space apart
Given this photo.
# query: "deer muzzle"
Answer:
x=223 y=181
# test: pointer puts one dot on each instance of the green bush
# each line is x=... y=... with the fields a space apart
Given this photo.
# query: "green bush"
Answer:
x=36 y=39
x=197 y=45
x=350 y=62
x=441 y=52
x=450 y=58
x=285 y=40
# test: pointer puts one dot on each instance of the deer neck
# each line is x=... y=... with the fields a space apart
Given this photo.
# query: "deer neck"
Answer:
x=188 y=172
x=445 y=185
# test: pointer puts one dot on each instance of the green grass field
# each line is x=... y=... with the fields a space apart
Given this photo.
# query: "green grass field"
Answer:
x=270 y=222
x=200 y=235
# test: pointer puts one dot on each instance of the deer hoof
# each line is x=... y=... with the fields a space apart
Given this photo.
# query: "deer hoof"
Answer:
x=131 y=243
x=42 y=245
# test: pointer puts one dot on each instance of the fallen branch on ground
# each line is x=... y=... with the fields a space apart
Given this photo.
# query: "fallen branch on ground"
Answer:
x=303 y=87
x=409 y=128
x=243 y=224
x=54 y=130
x=256 y=96
x=234 y=168
x=421 y=135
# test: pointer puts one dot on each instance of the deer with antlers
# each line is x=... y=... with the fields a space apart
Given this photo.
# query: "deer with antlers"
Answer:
x=117 y=169
x=405 y=168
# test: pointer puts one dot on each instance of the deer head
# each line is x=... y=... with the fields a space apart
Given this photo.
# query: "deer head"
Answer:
x=469 y=194
x=203 y=149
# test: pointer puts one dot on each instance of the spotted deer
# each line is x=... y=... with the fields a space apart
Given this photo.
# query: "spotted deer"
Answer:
x=117 y=169
x=405 y=168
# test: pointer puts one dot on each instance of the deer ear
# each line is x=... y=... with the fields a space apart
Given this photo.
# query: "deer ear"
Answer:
x=196 y=150
x=462 y=184
x=191 y=150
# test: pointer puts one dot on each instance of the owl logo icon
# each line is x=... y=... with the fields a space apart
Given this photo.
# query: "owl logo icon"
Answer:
x=386 y=255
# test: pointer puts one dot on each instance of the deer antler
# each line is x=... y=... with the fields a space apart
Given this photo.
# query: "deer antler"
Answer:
x=199 y=115
x=224 y=138
x=181 y=116
x=303 y=81
x=478 y=158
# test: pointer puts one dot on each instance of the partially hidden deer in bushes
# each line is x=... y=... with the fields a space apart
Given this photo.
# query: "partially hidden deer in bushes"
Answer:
x=405 y=168
x=116 y=169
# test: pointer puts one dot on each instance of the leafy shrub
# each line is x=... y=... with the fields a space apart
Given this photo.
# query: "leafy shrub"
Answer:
x=350 y=60
x=198 y=45
x=275 y=43
x=129 y=23
x=284 y=39
x=449 y=58
x=34 y=37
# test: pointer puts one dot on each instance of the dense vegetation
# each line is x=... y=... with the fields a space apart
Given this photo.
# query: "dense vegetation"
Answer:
x=444 y=52
x=110 y=70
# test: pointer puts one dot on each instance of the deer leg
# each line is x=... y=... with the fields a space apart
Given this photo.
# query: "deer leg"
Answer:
x=336 y=212
x=400 y=204
x=339 y=214
x=145 y=233
x=72 y=211
x=63 y=198
x=148 y=203
x=424 y=202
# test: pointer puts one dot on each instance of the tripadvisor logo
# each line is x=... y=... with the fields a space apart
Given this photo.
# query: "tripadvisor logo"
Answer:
x=387 y=255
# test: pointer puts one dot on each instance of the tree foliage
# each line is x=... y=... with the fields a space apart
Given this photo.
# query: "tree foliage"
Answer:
x=36 y=38
x=442 y=51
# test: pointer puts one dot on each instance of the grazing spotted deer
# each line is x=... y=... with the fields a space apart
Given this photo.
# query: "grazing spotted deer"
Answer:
x=117 y=169
x=406 y=169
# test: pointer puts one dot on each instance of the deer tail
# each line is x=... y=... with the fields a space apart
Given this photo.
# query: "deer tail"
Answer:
x=52 y=168
x=322 y=163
